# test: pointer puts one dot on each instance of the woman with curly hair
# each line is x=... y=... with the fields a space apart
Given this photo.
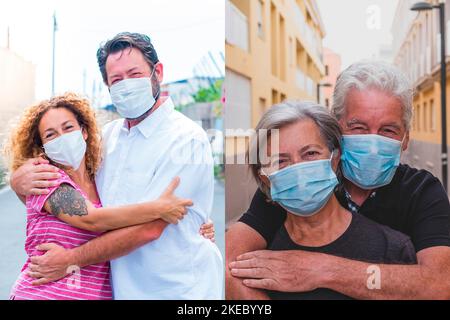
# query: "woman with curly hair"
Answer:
x=63 y=130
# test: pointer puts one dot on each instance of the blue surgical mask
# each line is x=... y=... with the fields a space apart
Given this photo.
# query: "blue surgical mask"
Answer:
x=370 y=160
x=304 y=188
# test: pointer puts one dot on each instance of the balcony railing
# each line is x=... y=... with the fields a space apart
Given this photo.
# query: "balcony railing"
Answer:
x=304 y=82
x=309 y=35
x=236 y=27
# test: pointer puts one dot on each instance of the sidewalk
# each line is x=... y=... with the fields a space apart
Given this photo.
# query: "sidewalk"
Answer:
x=12 y=234
x=12 y=239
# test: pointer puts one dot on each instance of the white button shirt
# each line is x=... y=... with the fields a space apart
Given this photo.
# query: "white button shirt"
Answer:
x=138 y=165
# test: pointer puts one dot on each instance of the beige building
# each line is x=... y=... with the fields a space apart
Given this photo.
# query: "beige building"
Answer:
x=417 y=52
x=332 y=62
x=273 y=52
x=17 y=83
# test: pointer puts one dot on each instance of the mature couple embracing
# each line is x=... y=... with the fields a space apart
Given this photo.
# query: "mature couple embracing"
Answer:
x=336 y=216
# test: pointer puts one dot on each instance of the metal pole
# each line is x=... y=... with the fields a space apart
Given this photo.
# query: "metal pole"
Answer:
x=443 y=95
x=53 y=58
x=211 y=57
x=7 y=39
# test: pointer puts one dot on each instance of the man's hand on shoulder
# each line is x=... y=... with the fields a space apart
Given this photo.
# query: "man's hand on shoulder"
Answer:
x=34 y=177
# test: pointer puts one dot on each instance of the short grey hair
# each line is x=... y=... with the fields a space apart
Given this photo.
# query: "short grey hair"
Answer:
x=374 y=74
x=286 y=113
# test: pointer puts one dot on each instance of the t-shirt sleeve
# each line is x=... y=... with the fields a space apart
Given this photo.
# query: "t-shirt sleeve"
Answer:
x=264 y=216
x=407 y=253
x=431 y=216
x=36 y=202
x=399 y=249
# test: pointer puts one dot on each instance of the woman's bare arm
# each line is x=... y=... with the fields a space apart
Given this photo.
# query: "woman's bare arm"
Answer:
x=69 y=205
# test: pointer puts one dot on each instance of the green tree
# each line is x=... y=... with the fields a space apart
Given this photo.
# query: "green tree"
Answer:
x=209 y=94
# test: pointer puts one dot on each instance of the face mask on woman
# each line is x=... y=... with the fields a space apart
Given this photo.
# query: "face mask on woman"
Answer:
x=133 y=97
x=370 y=160
x=68 y=149
x=304 y=188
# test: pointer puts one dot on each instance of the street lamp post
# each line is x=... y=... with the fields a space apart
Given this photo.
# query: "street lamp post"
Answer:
x=422 y=6
x=55 y=28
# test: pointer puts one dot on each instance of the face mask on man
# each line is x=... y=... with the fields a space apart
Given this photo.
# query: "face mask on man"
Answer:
x=133 y=97
x=68 y=149
x=304 y=188
x=370 y=160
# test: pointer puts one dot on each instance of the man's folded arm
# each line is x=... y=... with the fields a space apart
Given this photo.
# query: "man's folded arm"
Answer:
x=115 y=244
x=240 y=239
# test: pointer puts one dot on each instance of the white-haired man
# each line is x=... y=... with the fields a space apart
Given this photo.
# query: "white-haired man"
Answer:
x=373 y=103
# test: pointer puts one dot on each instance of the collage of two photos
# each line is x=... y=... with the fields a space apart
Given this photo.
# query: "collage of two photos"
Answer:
x=224 y=150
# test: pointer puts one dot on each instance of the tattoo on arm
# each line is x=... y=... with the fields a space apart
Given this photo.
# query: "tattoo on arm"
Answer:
x=67 y=200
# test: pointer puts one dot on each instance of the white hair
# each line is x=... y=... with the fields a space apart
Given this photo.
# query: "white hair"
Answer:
x=374 y=74
x=286 y=113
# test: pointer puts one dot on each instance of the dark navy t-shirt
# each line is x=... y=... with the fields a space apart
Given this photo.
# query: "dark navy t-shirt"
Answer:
x=364 y=240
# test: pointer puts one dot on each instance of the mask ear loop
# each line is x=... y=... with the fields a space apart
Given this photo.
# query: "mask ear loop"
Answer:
x=156 y=96
x=261 y=172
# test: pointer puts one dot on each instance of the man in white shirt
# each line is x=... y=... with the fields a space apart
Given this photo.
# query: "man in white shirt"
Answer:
x=143 y=153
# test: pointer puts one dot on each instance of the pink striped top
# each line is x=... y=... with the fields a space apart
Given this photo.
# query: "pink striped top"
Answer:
x=88 y=283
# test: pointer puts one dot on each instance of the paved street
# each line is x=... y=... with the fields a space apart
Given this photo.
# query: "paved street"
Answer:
x=12 y=239
x=12 y=234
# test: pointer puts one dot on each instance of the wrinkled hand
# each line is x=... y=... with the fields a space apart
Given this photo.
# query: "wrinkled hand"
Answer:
x=34 y=177
x=173 y=208
x=286 y=271
x=207 y=230
x=51 y=266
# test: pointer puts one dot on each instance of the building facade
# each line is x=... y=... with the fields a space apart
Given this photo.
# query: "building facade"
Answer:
x=273 y=52
x=332 y=62
x=416 y=49
x=17 y=84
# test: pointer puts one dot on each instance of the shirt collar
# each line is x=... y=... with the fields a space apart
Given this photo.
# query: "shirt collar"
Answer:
x=150 y=124
x=351 y=205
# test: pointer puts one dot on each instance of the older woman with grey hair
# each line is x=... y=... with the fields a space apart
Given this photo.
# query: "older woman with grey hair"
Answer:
x=301 y=174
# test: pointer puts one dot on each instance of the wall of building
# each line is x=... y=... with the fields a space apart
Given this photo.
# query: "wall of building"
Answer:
x=273 y=52
x=417 y=53
x=17 y=84
x=332 y=62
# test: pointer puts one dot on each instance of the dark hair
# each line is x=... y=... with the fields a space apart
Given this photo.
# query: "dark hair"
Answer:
x=122 y=41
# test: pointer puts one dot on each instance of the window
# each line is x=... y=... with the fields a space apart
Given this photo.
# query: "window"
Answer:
x=327 y=103
x=273 y=39
x=425 y=117
x=282 y=48
x=418 y=118
x=326 y=70
x=262 y=106
x=274 y=97
x=291 y=52
x=260 y=18
x=432 y=116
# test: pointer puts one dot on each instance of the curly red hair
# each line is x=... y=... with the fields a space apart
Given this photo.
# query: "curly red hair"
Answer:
x=25 y=142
